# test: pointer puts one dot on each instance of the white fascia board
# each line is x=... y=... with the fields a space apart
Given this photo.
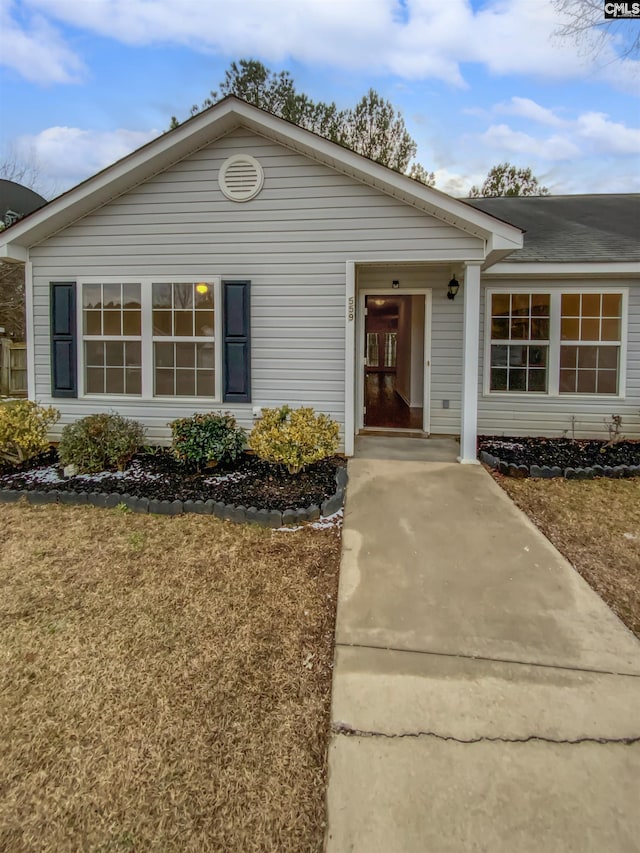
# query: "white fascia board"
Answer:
x=12 y=252
x=204 y=128
x=500 y=243
x=559 y=270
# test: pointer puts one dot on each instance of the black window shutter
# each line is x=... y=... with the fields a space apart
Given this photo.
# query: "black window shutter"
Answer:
x=236 y=341
x=64 y=371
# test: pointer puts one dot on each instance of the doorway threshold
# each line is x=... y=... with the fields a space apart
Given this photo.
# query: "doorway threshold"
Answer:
x=388 y=432
x=408 y=448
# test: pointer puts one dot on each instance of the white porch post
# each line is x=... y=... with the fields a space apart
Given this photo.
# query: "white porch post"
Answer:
x=349 y=360
x=471 y=344
x=28 y=310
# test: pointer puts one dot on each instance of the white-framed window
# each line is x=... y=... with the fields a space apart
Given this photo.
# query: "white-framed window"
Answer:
x=555 y=342
x=112 y=338
x=153 y=337
x=590 y=342
x=519 y=341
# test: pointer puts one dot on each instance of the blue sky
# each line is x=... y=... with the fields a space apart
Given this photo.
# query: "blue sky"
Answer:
x=83 y=82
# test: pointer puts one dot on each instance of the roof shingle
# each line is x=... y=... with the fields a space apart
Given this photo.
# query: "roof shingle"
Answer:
x=571 y=228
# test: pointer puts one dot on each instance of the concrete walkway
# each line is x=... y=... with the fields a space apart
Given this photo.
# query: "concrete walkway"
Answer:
x=484 y=697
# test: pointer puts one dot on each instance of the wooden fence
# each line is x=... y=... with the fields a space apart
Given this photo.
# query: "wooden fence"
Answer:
x=13 y=368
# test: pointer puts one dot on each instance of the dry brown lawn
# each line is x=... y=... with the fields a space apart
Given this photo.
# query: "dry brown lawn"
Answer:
x=164 y=682
x=596 y=525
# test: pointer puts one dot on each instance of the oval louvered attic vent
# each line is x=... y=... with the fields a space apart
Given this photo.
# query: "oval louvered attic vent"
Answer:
x=241 y=177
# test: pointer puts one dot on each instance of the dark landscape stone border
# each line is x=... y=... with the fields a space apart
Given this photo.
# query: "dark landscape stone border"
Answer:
x=547 y=472
x=239 y=514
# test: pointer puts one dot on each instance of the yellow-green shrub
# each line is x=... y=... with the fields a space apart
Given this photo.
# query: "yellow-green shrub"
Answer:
x=23 y=430
x=294 y=437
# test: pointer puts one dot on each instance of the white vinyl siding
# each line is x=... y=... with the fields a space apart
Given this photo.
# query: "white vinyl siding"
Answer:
x=566 y=414
x=292 y=242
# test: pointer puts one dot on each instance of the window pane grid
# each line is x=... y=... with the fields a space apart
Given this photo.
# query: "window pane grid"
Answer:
x=390 y=348
x=122 y=320
x=519 y=342
x=590 y=332
x=183 y=319
x=111 y=309
x=113 y=367
x=183 y=309
x=112 y=326
x=591 y=317
x=589 y=369
x=519 y=368
x=581 y=342
x=520 y=316
x=184 y=369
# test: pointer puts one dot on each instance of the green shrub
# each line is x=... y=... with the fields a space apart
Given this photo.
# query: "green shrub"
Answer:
x=294 y=437
x=206 y=440
x=23 y=430
x=100 y=443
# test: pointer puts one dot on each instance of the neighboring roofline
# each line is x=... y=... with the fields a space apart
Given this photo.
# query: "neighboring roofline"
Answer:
x=560 y=269
x=204 y=128
x=549 y=197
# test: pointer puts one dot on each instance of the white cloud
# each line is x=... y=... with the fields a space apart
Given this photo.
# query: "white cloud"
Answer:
x=457 y=183
x=606 y=136
x=588 y=152
x=526 y=108
x=68 y=155
x=422 y=39
x=588 y=134
x=35 y=50
x=502 y=138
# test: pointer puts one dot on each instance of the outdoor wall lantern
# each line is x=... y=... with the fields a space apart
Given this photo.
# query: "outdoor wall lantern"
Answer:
x=395 y=284
x=454 y=287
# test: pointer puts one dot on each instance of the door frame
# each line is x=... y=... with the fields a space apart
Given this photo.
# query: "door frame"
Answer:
x=426 y=292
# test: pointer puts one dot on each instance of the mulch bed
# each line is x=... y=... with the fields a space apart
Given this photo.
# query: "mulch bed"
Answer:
x=159 y=476
x=561 y=452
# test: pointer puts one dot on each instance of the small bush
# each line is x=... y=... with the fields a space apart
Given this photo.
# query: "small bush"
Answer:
x=23 y=430
x=294 y=437
x=100 y=443
x=206 y=440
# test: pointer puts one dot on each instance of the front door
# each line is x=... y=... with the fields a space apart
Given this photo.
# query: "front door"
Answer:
x=394 y=362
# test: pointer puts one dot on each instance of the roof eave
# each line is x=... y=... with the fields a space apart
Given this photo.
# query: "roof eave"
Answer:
x=13 y=253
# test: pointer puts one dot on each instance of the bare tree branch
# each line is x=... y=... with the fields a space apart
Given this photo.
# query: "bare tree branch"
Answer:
x=12 y=300
x=586 y=25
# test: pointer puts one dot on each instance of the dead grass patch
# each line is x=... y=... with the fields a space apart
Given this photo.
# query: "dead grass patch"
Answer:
x=164 y=682
x=596 y=525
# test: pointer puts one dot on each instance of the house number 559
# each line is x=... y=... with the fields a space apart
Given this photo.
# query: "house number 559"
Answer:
x=350 y=308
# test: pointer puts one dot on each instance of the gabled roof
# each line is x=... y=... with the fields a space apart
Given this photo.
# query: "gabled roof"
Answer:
x=573 y=228
x=219 y=120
